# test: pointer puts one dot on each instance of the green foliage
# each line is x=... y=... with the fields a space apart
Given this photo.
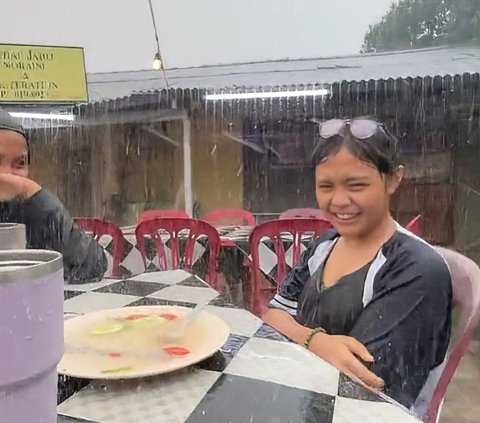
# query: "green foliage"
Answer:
x=424 y=23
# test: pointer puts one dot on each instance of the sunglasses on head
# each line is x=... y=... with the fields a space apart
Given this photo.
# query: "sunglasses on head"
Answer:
x=360 y=128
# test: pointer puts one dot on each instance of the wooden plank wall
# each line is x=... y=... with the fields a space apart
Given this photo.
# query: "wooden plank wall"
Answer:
x=435 y=118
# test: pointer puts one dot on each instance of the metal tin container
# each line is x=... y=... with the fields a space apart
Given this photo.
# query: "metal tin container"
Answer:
x=31 y=334
x=12 y=236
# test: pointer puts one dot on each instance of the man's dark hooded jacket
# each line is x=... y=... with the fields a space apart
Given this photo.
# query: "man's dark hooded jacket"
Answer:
x=50 y=226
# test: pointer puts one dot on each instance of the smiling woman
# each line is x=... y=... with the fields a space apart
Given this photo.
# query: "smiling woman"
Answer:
x=369 y=297
x=356 y=172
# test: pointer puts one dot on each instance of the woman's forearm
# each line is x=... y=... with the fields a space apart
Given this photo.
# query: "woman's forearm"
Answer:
x=343 y=352
x=286 y=325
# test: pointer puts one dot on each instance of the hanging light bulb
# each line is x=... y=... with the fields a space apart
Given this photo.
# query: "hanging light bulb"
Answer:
x=157 y=62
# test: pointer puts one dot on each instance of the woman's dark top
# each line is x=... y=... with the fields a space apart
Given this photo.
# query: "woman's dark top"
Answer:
x=398 y=306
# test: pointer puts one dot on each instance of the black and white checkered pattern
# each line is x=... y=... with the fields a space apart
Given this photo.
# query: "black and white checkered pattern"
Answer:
x=268 y=256
x=132 y=264
x=257 y=376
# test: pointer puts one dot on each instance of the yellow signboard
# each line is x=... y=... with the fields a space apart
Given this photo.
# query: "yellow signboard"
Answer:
x=32 y=74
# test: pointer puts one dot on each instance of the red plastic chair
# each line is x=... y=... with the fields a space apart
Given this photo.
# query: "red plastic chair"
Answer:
x=230 y=217
x=173 y=226
x=273 y=229
x=99 y=228
x=303 y=214
x=466 y=295
x=414 y=225
x=161 y=214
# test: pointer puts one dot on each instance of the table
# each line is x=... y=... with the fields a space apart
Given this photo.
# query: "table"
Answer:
x=258 y=376
x=132 y=262
x=238 y=236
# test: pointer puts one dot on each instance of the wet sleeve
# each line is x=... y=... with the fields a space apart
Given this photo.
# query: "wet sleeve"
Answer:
x=406 y=326
x=50 y=226
x=292 y=286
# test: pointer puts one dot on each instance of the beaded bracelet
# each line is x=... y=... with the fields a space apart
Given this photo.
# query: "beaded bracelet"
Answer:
x=310 y=336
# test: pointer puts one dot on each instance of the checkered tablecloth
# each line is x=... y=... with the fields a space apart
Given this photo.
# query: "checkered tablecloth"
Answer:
x=257 y=376
x=267 y=254
x=133 y=264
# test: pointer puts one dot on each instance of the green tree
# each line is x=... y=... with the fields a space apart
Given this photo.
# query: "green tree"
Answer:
x=424 y=23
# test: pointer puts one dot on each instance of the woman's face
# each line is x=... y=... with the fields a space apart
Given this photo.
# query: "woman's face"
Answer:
x=13 y=153
x=353 y=194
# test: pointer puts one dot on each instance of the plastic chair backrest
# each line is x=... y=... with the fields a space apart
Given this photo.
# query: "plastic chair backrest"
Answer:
x=414 y=225
x=173 y=226
x=99 y=228
x=273 y=229
x=230 y=217
x=161 y=214
x=466 y=296
x=303 y=214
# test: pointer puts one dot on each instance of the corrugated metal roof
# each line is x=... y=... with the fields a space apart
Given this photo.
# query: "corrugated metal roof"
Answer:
x=411 y=63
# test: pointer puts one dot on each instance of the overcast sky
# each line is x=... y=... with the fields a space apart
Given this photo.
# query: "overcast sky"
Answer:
x=118 y=34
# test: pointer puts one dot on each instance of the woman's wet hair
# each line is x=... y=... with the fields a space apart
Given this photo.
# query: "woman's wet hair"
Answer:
x=379 y=150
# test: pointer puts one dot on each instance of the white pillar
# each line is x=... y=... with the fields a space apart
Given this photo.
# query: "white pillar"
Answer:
x=187 y=166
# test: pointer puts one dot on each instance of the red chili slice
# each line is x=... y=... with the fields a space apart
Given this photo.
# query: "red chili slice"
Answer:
x=168 y=316
x=136 y=316
x=114 y=355
x=176 y=351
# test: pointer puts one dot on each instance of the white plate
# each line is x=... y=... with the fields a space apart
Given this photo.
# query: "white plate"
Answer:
x=135 y=350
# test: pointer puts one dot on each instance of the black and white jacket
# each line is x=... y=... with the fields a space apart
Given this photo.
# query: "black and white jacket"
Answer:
x=398 y=306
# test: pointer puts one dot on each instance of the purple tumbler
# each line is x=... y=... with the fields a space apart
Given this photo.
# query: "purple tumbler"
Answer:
x=31 y=334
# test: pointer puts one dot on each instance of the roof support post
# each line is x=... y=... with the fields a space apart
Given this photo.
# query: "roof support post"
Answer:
x=187 y=166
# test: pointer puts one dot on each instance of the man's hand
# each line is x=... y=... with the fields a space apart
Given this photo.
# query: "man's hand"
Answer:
x=16 y=187
x=344 y=352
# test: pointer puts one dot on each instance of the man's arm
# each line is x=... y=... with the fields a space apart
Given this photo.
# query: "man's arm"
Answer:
x=50 y=226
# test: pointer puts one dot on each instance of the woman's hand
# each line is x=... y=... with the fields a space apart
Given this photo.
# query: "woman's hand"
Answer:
x=344 y=352
x=16 y=187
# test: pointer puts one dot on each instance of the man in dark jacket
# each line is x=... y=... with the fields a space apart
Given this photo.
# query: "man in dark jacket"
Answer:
x=48 y=224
